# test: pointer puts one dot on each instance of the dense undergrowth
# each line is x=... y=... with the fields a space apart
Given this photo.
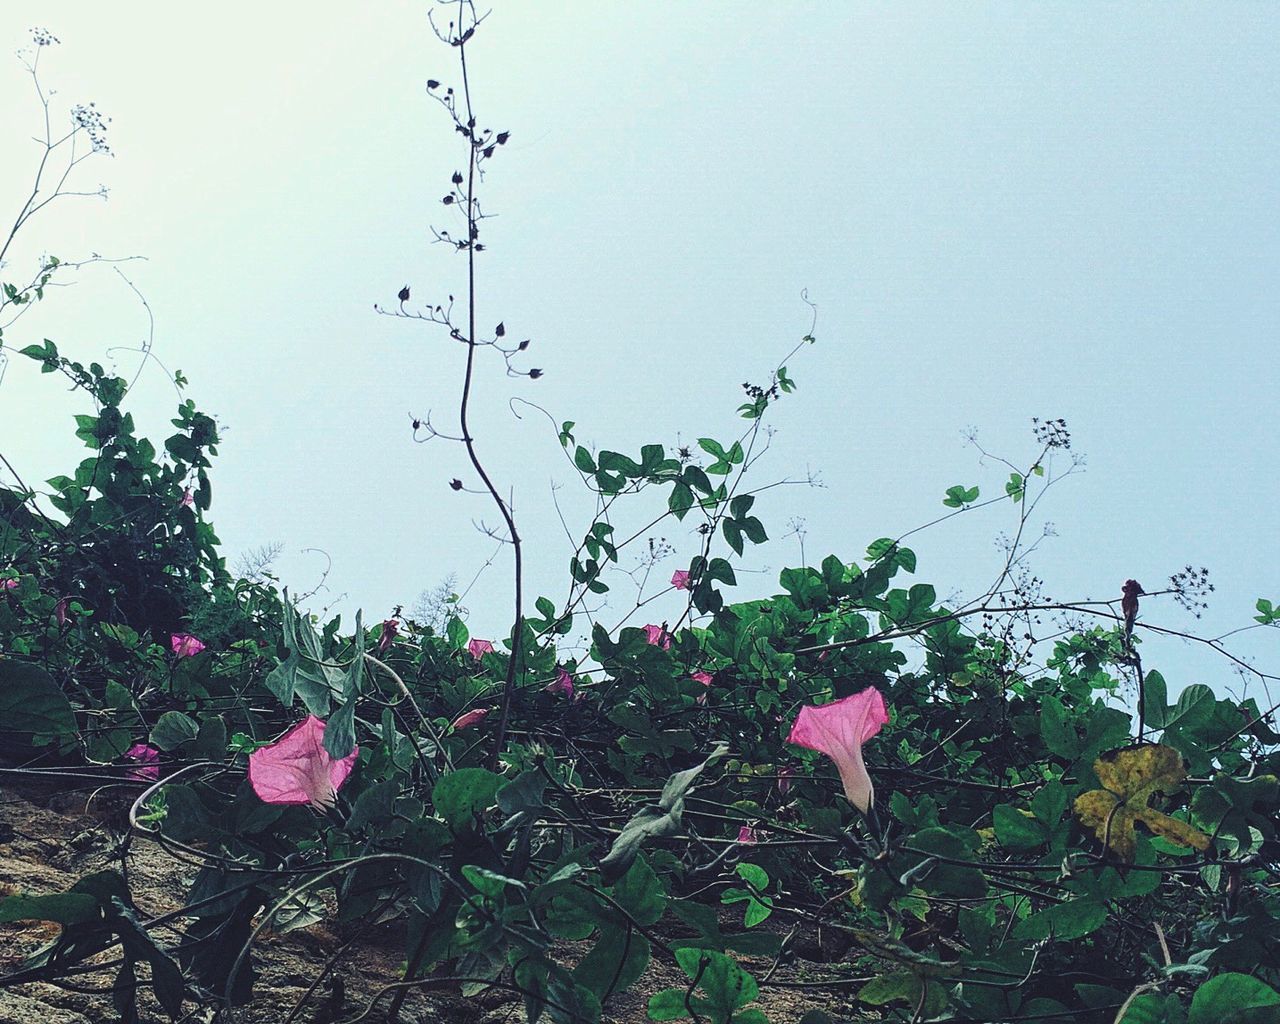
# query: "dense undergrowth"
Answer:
x=1034 y=850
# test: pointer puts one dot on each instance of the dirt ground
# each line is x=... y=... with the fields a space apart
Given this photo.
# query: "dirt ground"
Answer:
x=50 y=839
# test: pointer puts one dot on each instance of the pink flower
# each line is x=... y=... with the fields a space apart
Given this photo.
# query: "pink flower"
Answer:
x=658 y=637
x=562 y=684
x=390 y=629
x=747 y=836
x=466 y=721
x=838 y=730
x=8 y=584
x=188 y=499
x=148 y=756
x=185 y=645
x=479 y=648
x=680 y=579
x=705 y=679
x=784 y=779
x=296 y=769
x=60 y=611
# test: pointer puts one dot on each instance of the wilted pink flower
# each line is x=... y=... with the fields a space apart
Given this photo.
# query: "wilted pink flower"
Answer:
x=11 y=584
x=747 y=836
x=838 y=730
x=658 y=637
x=562 y=684
x=188 y=499
x=479 y=648
x=296 y=769
x=466 y=721
x=148 y=756
x=60 y=611
x=185 y=645
x=390 y=629
x=784 y=779
x=680 y=579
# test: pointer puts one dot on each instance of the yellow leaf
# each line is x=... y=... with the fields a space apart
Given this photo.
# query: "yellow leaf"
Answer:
x=1131 y=776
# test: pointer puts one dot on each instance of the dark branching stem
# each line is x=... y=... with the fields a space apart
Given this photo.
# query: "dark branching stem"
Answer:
x=513 y=665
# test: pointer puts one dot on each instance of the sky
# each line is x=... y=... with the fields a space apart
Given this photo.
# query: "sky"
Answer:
x=1001 y=211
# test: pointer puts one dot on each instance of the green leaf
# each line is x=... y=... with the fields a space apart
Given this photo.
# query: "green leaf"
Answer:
x=640 y=894
x=1220 y=1000
x=681 y=500
x=340 y=732
x=300 y=910
x=754 y=529
x=173 y=729
x=31 y=702
x=1064 y=921
x=668 y=1004
x=1155 y=700
x=1050 y=803
x=1194 y=708
x=374 y=805
x=61 y=908
x=457 y=634
x=1153 y=1008
x=959 y=495
x=1057 y=730
x=1016 y=830
x=583 y=460
x=725 y=985
x=211 y=740
x=489 y=883
x=616 y=961
x=460 y=796
x=660 y=819
x=733 y=534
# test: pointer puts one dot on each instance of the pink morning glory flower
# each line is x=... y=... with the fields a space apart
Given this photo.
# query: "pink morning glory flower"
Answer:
x=747 y=836
x=680 y=579
x=390 y=629
x=185 y=645
x=148 y=757
x=10 y=584
x=784 y=779
x=705 y=679
x=296 y=769
x=479 y=648
x=839 y=730
x=562 y=684
x=466 y=721
x=658 y=637
x=188 y=499
x=60 y=611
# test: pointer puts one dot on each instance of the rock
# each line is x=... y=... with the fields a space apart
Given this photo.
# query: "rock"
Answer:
x=16 y=1009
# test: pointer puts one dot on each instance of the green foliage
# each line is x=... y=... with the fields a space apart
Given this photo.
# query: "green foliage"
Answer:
x=1025 y=860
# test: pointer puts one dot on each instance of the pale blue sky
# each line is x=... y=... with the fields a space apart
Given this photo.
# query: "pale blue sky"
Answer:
x=1002 y=211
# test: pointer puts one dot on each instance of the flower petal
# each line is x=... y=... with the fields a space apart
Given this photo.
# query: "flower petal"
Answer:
x=296 y=769
x=838 y=730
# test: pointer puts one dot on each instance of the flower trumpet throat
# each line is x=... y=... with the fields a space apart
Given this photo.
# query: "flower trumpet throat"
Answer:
x=839 y=730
